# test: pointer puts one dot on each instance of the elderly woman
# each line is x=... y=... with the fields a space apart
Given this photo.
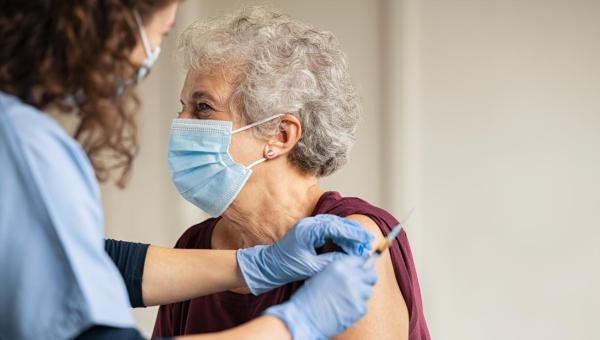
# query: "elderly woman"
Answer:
x=268 y=108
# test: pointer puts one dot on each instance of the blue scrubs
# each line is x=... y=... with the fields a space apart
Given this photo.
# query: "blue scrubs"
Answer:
x=56 y=279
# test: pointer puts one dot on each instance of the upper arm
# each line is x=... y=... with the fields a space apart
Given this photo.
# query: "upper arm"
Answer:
x=387 y=316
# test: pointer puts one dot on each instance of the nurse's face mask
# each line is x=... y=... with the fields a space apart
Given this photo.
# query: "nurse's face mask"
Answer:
x=140 y=74
x=151 y=56
x=200 y=165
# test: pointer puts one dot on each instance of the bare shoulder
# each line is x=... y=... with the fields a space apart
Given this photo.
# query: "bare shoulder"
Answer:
x=368 y=224
x=387 y=316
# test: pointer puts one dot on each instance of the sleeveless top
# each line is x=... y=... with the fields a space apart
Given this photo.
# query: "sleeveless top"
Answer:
x=217 y=312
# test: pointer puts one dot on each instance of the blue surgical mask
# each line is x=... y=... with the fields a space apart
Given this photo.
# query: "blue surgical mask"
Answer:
x=200 y=164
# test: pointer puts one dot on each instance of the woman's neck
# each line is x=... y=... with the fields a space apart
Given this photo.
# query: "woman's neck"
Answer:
x=265 y=210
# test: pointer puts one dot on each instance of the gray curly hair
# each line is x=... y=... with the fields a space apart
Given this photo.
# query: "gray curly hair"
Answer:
x=282 y=66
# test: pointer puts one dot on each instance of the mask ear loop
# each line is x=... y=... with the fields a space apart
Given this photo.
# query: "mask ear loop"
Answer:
x=256 y=124
x=145 y=41
x=151 y=55
x=250 y=127
x=256 y=163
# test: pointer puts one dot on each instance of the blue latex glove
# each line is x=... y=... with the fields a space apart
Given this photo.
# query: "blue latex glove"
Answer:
x=329 y=302
x=294 y=258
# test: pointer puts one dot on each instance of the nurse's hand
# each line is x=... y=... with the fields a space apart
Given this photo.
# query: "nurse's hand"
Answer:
x=294 y=257
x=330 y=302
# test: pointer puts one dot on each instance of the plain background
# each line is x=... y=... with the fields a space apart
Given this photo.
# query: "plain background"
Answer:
x=484 y=115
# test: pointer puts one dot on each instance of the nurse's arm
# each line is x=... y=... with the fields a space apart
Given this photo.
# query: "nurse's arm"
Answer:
x=156 y=276
x=174 y=275
x=264 y=327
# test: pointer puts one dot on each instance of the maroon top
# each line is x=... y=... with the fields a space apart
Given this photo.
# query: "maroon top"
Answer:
x=225 y=310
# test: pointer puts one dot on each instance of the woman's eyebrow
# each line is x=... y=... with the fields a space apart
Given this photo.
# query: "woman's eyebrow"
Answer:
x=197 y=95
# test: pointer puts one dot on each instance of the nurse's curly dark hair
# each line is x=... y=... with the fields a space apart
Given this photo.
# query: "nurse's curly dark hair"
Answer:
x=71 y=55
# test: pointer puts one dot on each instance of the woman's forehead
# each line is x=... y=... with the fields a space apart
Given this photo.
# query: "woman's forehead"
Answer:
x=211 y=83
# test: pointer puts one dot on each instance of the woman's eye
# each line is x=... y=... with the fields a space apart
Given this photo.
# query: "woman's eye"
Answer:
x=202 y=107
x=202 y=110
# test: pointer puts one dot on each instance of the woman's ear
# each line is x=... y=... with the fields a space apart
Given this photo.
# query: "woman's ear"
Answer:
x=290 y=131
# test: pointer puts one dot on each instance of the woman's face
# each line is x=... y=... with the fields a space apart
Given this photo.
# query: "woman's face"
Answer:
x=206 y=95
x=158 y=26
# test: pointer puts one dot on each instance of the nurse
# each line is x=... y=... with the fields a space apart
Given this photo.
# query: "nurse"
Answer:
x=59 y=278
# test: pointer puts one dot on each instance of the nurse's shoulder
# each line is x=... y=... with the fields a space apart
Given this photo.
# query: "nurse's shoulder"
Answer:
x=51 y=227
x=33 y=128
x=38 y=142
x=14 y=112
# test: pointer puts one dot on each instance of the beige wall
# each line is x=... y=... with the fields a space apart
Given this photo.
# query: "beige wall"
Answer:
x=484 y=115
x=510 y=126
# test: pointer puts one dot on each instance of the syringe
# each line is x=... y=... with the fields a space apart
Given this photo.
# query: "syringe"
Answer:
x=386 y=242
